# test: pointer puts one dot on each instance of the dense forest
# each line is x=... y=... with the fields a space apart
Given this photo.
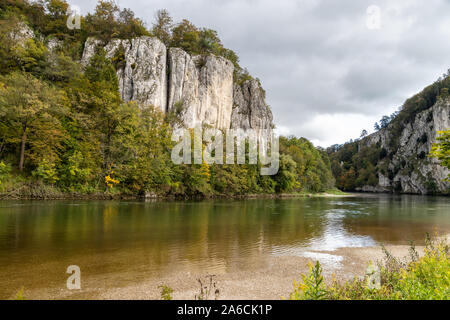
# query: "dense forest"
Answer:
x=65 y=130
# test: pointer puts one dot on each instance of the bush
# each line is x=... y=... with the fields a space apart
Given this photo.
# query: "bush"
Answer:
x=420 y=278
x=166 y=292
x=5 y=170
x=46 y=171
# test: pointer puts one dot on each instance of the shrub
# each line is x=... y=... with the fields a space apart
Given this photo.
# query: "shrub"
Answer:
x=312 y=286
x=166 y=292
x=420 y=278
x=19 y=295
x=5 y=170
x=46 y=171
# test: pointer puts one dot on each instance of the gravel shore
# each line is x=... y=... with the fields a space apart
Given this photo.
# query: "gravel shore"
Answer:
x=271 y=281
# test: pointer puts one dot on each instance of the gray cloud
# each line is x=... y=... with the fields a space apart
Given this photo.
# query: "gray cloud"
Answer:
x=327 y=76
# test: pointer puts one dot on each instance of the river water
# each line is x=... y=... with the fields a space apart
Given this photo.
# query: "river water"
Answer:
x=123 y=241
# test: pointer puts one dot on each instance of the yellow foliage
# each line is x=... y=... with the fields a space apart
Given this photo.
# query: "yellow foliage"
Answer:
x=110 y=181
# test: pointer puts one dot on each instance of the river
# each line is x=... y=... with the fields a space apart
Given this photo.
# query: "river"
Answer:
x=122 y=242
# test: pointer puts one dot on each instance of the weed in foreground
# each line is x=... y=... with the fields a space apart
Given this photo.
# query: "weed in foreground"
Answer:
x=417 y=278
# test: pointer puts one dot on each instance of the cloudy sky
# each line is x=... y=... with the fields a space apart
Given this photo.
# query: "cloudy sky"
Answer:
x=330 y=67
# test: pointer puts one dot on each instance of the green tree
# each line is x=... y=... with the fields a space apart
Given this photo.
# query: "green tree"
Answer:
x=162 y=28
x=441 y=149
x=286 y=177
x=185 y=36
x=30 y=105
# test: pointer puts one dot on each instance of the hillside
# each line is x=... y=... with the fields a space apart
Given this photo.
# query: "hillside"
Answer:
x=91 y=110
x=396 y=157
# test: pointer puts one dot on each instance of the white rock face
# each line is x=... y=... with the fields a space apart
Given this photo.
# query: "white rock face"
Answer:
x=250 y=110
x=142 y=76
x=201 y=89
x=412 y=171
x=90 y=46
x=54 y=44
x=21 y=33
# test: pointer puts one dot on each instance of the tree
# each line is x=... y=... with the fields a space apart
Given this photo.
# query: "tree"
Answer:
x=56 y=22
x=109 y=22
x=210 y=42
x=376 y=126
x=103 y=23
x=130 y=26
x=286 y=177
x=441 y=149
x=8 y=56
x=363 y=133
x=185 y=36
x=163 y=26
x=385 y=121
x=29 y=105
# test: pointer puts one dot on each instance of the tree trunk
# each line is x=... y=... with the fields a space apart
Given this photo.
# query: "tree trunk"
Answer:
x=22 y=149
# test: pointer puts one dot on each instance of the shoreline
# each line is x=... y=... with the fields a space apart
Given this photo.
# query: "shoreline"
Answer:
x=106 y=196
x=272 y=281
x=154 y=197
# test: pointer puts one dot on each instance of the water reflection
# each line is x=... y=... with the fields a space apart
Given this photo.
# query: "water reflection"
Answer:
x=149 y=239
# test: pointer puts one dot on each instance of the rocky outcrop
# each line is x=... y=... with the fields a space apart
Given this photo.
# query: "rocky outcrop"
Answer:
x=408 y=167
x=21 y=33
x=54 y=44
x=199 y=89
x=141 y=68
x=250 y=110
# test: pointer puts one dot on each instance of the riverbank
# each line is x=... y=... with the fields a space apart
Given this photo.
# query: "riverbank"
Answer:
x=50 y=193
x=272 y=281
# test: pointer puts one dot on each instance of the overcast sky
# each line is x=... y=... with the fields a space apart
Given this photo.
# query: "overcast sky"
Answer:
x=328 y=68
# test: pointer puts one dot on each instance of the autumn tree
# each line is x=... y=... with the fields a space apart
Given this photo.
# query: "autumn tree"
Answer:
x=28 y=105
x=185 y=36
x=130 y=26
x=56 y=18
x=162 y=28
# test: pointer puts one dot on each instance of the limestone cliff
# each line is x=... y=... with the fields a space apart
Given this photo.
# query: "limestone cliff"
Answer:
x=21 y=33
x=250 y=110
x=407 y=167
x=199 y=89
x=141 y=68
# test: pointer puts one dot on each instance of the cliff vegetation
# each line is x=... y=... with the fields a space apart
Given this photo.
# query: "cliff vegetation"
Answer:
x=66 y=128
x=403 y=154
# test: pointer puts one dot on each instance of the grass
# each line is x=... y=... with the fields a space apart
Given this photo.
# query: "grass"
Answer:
x=418 y=278
x=166 y=292
x=19 y=295
x=336 y=192
x=208 y=289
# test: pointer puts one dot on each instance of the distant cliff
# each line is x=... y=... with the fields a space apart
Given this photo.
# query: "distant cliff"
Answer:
x=408 y=168
x=395 y=158
x=200 y=89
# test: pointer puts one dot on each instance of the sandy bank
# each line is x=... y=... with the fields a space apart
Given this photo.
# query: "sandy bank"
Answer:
x=272 y=281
